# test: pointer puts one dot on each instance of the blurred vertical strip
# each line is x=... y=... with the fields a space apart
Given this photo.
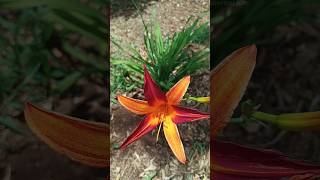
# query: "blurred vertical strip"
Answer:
x=108 y=118
x=53 y=53
x=286 y=33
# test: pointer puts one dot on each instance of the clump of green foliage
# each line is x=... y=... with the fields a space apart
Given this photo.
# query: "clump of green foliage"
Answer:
x=168 y=58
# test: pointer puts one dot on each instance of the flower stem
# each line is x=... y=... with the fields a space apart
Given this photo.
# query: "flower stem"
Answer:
x=265 y=117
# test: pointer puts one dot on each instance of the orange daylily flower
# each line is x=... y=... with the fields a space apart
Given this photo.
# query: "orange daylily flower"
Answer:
x=162 y=109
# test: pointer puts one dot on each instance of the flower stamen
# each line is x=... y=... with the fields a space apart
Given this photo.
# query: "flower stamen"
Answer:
x=162 y=116
x=159 y=131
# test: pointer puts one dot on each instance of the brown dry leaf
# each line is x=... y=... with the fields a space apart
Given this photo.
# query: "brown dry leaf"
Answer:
x=83 y=141
x=228 y=84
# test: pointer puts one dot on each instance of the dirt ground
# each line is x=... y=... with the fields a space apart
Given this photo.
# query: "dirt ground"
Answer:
x=172 y=15
x=146 y=158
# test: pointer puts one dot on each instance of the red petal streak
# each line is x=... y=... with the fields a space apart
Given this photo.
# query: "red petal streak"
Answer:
x=134 y=105
x=145 y=126
x=183 y=115
x=232 y=161
x=176 y=93
x=152 y=92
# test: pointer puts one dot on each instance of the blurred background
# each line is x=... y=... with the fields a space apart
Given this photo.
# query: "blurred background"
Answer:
x=52 y=53
x=286 y=78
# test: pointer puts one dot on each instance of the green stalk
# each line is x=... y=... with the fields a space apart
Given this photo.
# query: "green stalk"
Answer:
x=265 y=117
x=291 y=121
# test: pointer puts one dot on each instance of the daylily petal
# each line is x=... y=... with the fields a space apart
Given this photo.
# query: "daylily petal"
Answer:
x=176 y=93
x=173 y=138
x=83 y=141
x=145 y=126
x=304 y=177
x=234 y=162
x=152 y=91
x=183 y=115
x=135 y=105
x=228 y=83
